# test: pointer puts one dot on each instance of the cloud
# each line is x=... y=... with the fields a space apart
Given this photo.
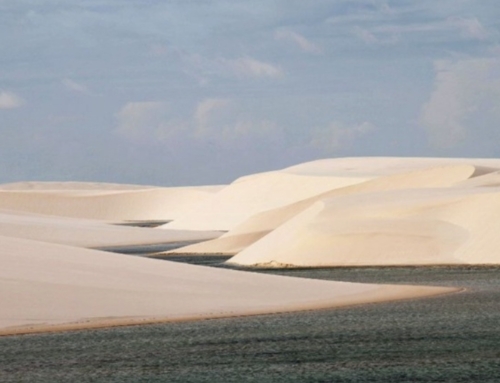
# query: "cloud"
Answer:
x=219 y=122
x=337 y=136
x=138 y=120
x=297 y=39
x=467 y=28
x=222 y=122
x=470 y=27
x=75 y=86
x=250 y=67
x=206 y=109
x=9 y=100
x=365 y=36
x=465 y=93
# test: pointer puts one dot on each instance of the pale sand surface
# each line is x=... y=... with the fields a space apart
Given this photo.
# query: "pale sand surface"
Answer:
x=99 y=186
x=260 y=224
x=404 y=227
x=253 y=194
x=381 y=166
x=337 y=212
x=108 y=204
x=88 y=233
x=45 y=287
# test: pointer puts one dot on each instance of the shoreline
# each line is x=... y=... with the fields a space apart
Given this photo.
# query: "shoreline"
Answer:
x=372 y=297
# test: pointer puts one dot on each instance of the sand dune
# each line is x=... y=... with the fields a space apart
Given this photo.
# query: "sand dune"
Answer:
x=403 y=227
x=70 y=185
x=336 y=212
x=88 y=233
x=259 y=225
x=250 y=195
x=49 y=287
x=371 y=167
x=109 y=203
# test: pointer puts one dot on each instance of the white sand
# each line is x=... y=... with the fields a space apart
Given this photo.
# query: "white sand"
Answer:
x=362 y=211
x=108 y=203
x=250 y=195
x=259 y=225
x=46 y=287
x=88 y=233
x=372 y=224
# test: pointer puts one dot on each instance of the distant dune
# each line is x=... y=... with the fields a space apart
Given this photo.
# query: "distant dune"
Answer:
x=108 y=202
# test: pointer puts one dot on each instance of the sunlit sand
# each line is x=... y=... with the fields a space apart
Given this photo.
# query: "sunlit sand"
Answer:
x=338 y=212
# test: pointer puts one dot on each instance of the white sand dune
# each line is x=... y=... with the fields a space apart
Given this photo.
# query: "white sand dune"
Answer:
x=403 y=227
x=47 y=287
x=88 y=233
x=371 y=167
x=69 y=185
x=103 y=202
x=259 y=225
x=335 y=212
x=250 y=195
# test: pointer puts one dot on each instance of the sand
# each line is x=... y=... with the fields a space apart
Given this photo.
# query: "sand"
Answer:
x=89 y=233
x=46 y=287
x=377 y=223
x=446 y=176
x=334 y=212
x=108 y=202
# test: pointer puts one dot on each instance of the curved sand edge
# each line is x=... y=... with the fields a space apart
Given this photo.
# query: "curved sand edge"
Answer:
x=383 y=294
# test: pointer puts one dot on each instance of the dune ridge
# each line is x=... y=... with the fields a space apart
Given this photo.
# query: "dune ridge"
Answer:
x=109 y=203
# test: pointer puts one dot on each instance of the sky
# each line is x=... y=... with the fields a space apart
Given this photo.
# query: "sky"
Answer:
x=192 y=92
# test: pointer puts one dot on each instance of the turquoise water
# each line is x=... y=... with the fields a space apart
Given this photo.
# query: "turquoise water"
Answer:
x=454 y=338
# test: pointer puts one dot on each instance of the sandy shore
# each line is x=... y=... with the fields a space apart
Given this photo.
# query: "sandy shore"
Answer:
x=44 y=287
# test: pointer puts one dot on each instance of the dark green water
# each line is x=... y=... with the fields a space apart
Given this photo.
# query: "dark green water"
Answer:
x=454 y=338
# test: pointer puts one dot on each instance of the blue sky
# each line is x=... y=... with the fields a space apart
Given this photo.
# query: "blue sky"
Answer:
x=186 y=92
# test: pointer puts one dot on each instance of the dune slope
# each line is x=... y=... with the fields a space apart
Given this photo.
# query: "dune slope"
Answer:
x=46 y=287
x=108 y=203
x=260 y=224
x=403 y=227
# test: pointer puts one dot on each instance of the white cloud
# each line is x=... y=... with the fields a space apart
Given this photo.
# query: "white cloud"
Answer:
x=297 y=39
x=9 y=100
x=338 y=136
x=247 y=66
x=364 y=35
x=217 y=121
x=220 y=121
x=469 y=28
x=74 y=86
x=139 y=119
x=465 y=92
x=206 y=109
